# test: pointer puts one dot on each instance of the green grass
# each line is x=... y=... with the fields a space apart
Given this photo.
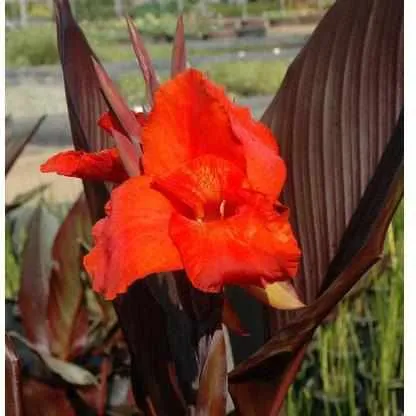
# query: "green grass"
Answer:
x=252 y=9
x=132 y=88
x=263 y=8
x=35 y=46
x=32 y=46
x=239 y=79
x=12 y=268
x=248 y=78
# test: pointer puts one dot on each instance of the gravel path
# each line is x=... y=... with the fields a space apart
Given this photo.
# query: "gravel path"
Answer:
x=25 y=175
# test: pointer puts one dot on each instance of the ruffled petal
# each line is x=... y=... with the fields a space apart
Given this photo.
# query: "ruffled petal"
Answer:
x=188 y=121
x=101 y=166
x=252 y=247
x=265 y=168
x=132 y=242
x=203 y=184
x=193 y=117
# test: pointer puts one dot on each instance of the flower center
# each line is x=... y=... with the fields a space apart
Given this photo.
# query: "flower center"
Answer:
x=214 y=211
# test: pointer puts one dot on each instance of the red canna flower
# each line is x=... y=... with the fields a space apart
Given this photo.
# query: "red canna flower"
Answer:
x=206 y=200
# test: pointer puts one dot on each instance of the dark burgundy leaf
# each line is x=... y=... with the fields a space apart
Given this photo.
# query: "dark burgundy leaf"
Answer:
x=254 y=399
x=179 y=50
x=168 y=326
x=336 y=117
x=144 y=61
x=35 y=277
x=85 y=103
x=121 y=110
x=155 y=385
x=129 y=153
x=96 y=396
x=212 y=392
x=167 y=356
x=231 y=319
x=15 y=145
x=67 y=318
x=13 y=381
x=42 y=400
x=84 y=100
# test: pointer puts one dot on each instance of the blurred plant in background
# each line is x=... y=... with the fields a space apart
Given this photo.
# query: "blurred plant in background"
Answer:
x=32 y=46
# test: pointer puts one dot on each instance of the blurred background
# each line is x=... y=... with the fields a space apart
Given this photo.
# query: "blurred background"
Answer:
x=355 y=363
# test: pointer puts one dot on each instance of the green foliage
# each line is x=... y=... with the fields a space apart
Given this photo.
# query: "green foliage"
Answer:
x=163 y=25
x=153 y=25
x=235 y=10
x=239 y=79
x=158 y=8
x=12 y=10
x=39 y=10
x=248 y=78
x=31 y=46
x=94 y=9
x=12 y=268
x=132 y=87
x=36 y=46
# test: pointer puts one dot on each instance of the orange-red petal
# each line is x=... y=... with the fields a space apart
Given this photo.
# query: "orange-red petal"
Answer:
x=188 y=121
x=133 y=241
x=101 y=166
x=266 y=170
x=203 y=184
x=109 y=122
x=250 y=247
x=193 y=117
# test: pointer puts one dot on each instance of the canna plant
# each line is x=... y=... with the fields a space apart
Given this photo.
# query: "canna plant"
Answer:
x=195 y=164
x=205 y=202
x=190 y=197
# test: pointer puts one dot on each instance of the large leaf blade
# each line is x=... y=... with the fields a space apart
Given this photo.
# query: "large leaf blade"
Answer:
x=144 y=61
x=178 y=63
x=66 y=309
x=344 y=105
x=84 y=100
x=154 y=379
x=334 y=116
x=35 y=276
